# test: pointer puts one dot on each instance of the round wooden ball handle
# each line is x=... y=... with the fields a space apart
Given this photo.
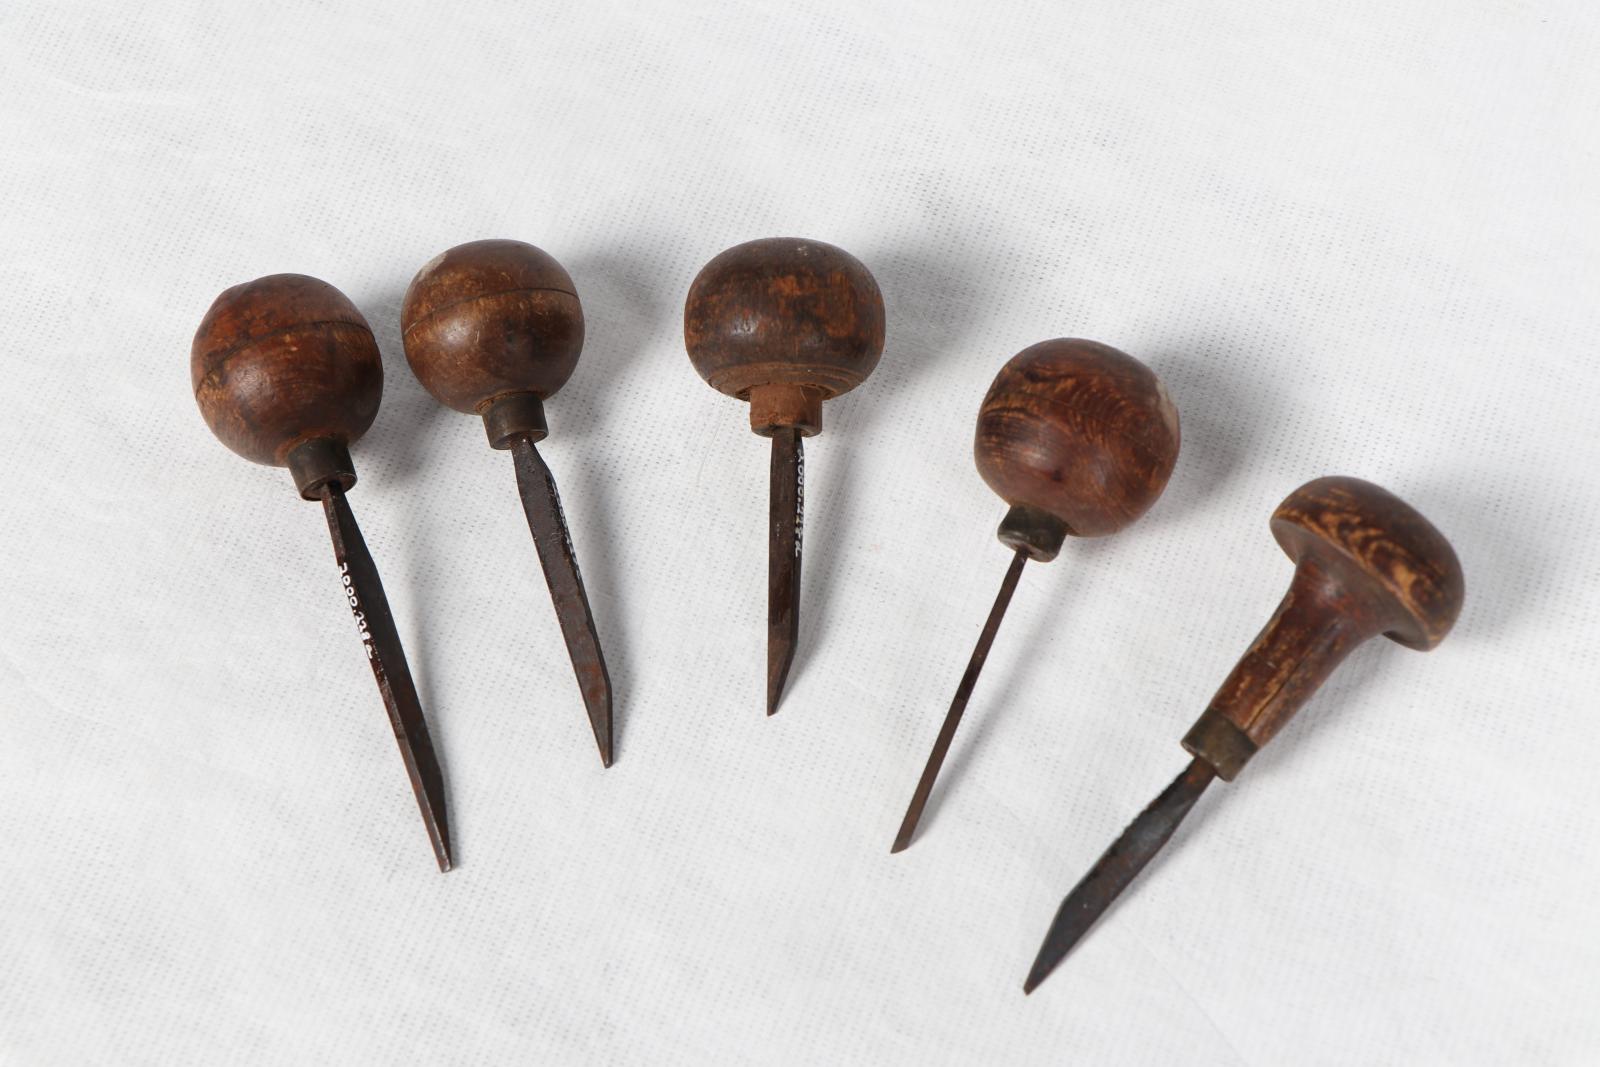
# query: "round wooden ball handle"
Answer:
x=1366 y=563
x=287 y=373
x=1078 y=438
x=784 y=323
x=494 y=328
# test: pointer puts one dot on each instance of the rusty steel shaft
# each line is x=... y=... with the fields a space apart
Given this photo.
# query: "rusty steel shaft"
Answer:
x=958 y=706
x=786 y=517
x=1118 y=867
x=364 y=592
x=542 y=504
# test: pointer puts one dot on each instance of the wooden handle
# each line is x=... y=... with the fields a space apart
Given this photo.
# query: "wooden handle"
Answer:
x=493 y=326
x=287 y=373
x=1366 y=563
x=785 y=324
x=1077 y=435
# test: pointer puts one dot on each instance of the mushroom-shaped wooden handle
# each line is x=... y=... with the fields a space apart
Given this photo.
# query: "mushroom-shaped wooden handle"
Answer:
x=493 y=328
x=1078 y=438
x=1366 y=563
x=286 y=372
x=785 y=324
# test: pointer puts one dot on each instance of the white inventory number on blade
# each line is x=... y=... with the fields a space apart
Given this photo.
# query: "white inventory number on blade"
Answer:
x=799 y=498
x=355 y=608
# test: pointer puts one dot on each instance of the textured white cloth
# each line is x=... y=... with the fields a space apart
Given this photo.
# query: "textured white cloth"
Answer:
x=1356 y=238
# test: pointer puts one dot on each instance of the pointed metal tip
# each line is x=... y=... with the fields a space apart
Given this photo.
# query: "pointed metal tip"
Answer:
x=429 y=789
x=1062 y=937
x=427 y=783
x=908 y=829
x=438 y=835
x=600 y=723
x=1043 y=964
x=780 y=654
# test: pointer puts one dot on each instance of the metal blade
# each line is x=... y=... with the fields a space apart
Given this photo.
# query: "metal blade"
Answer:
x=1115 y=870
x=785 y=522
x=543 y=507
x=952 y=718
x=364 y=591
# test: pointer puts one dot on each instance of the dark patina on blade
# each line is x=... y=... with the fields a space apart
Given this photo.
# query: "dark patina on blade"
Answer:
x=554 y=545
x=364 y=591
x=786 y=516
x=952 y=718
x=1118 y=867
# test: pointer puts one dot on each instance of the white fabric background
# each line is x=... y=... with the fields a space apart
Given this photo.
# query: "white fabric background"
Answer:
x=1357 y=238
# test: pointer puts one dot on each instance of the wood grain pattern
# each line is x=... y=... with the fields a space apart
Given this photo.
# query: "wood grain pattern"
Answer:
x=491 y=319
x=784 y=323
x=1366 y=563
x=1080 y=431
x=283 y=360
